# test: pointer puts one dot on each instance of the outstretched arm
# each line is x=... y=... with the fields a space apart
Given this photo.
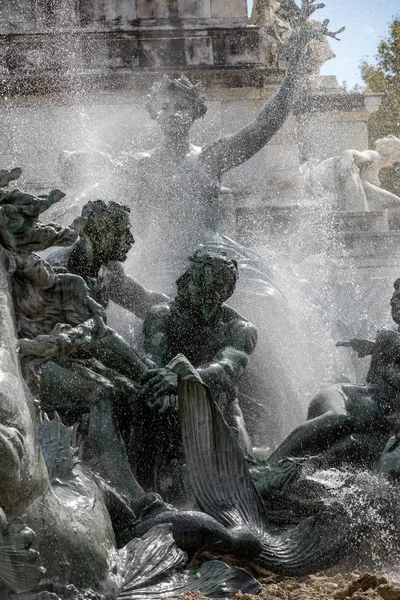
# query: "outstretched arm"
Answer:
x=126 y=292
x=235 y=149
x=361 y=346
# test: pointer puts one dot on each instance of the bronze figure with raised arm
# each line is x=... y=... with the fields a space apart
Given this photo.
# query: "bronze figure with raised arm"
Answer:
x=176 y=186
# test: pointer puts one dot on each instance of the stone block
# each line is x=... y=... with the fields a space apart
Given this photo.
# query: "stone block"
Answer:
x=236 y=47
x=323 y=137
x=151 y=9
x=14 y=13
x=265 y=176
x=118 y=11
x=95 y=52
x=198 y=51
x=194 y=9
x=375 y=221
x=228 y=8
x=262 y=224
x=237 y=112
x=164 y=52
x=37 y=55
x=366 y=248
x=394 y=219
x=123 y=51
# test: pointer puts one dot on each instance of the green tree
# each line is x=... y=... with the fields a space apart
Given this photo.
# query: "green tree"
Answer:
x=384 y=77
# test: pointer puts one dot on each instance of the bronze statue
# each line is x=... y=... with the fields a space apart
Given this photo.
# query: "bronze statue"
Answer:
x=64 y=343
x=58 y=522
x=69 y=509
x=214 y=337
x=75 y=513
x=98 y=254
x=348 y=423
x=79 y=516
x=175 y=188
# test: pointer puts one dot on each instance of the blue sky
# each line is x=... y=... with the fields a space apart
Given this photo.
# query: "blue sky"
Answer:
x=367 y=23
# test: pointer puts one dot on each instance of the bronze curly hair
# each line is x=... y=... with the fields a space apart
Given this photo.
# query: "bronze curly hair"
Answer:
x=219 y=264
x=100 y=215
x=181 y=87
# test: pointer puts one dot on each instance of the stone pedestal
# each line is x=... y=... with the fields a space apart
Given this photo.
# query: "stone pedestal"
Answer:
x=331 y=120
x=64 y=46
x=298 y=231
x=373 y=221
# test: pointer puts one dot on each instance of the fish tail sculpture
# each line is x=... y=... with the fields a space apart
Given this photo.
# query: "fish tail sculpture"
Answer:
x=221 y=483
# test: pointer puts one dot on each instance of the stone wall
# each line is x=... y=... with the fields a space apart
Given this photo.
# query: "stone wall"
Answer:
x=76 y=75
x=29 y=14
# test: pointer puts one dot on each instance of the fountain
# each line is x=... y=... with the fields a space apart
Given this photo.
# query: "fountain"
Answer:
x=150 y=422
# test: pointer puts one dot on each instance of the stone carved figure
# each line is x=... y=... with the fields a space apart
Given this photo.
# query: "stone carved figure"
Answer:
x=214 y=337
x=350 y=182
x=177 y=185
x=59 y=319
x=278 y=19
x=98 y=254
x=352 y=423
x=369 y=163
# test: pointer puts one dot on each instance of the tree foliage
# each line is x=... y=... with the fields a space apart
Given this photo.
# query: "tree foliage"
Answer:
x=384 y=77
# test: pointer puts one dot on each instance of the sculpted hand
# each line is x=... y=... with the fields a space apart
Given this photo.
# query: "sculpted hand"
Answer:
x=304 y=30
x=308 y=7
x=361 y=346
x=159 y=389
